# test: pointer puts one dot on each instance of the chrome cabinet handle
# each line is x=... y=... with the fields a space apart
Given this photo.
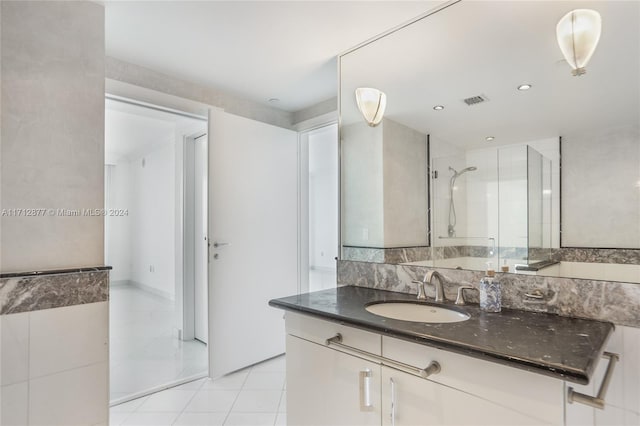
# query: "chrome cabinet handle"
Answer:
x=393 y=401
x=365 y=390
x=596 y=401
x=432 y=368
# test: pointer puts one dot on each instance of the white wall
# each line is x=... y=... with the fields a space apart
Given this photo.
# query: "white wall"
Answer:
x=52 y=133
x=118 y=228
x=600 y=181
x=53 y=362
x=323 y=197
x=362 y=187
x=150 y=190
x=404 y=185
x=385 y=188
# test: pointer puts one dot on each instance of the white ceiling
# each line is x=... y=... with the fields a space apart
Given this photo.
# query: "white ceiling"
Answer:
x=490 y=48
x=255 y=49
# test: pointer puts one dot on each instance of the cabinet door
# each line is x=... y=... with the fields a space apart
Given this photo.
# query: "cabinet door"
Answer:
x=327 y=387
x=409 y=400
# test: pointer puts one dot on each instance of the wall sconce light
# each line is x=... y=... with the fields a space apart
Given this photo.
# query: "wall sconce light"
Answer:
x=371 y=103
x=578 y=34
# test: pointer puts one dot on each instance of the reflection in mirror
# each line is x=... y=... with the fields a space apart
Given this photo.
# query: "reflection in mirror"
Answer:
x=465 y=167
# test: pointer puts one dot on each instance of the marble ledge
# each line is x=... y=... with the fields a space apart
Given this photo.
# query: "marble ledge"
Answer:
x=611 y=301
x=53 y=289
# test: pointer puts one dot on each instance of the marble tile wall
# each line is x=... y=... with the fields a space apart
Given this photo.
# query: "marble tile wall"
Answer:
x=602 y=300
x=26 y=293
x=414 y=254
x=597 y=255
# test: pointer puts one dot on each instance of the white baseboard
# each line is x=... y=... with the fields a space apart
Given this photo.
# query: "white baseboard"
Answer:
x=144 y=287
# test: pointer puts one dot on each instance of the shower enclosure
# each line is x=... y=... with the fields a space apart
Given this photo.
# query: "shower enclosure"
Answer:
x=492 y=205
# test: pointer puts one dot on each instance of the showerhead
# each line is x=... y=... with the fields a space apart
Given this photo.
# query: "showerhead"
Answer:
x=468 y=169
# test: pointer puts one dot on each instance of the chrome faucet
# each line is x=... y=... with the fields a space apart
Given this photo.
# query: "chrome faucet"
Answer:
x=428 y=278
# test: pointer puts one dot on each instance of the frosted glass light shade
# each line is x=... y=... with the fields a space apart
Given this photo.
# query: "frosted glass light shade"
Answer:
x=371 y=103
x=578 y=34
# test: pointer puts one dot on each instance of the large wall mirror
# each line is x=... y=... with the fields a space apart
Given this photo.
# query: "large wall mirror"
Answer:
x=490 y=149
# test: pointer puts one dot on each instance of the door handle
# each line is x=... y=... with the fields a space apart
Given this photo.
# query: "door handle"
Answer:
x=217 y=244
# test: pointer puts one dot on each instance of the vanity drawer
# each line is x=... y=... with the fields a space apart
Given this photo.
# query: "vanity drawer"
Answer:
x=532 y=394
x=318 y=331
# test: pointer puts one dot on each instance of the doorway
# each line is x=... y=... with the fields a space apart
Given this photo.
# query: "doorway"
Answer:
x=146 y=186
x=319 y=209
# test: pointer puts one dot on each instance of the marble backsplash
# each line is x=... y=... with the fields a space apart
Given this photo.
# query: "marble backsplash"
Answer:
x=601 y=300
x=597 y=255
x=414 y=254
x=45 y=290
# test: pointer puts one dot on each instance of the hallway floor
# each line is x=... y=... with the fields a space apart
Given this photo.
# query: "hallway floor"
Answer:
x=144 y=349
x=254 y=396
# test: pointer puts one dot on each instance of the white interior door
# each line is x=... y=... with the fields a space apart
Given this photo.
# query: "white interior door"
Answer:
x=253 y=199
x=200 y=262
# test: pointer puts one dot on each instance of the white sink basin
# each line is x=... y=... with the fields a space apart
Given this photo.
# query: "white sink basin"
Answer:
x=416 y=312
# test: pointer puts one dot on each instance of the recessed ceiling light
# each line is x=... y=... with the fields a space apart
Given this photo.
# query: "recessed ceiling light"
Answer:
x=438 y=107
x=489 y=138
x=524 y=87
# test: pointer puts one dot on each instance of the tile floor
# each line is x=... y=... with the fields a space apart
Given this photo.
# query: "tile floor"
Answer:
x=144 y=349
x=254 y=396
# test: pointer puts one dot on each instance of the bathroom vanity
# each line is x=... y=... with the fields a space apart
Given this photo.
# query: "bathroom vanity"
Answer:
x=347 y=366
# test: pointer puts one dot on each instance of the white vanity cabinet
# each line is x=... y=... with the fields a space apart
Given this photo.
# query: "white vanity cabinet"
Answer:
x=408 y=400
x=339 y=386
x=328 y=387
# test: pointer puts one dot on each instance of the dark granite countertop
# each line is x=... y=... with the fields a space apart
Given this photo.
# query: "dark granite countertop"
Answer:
x=55 y=271
x=561 y=347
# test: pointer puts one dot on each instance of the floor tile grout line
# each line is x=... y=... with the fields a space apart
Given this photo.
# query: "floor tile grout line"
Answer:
x=189 y=402
x=244 y=382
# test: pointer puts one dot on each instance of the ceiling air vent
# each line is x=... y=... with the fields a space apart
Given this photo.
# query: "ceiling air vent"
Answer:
x=474 y=100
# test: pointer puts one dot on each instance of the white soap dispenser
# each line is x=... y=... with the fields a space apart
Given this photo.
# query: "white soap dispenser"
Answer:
x=490 y=293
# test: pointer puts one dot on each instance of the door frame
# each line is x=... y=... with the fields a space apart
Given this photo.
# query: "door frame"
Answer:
x=186 y=328
x=303 y=197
